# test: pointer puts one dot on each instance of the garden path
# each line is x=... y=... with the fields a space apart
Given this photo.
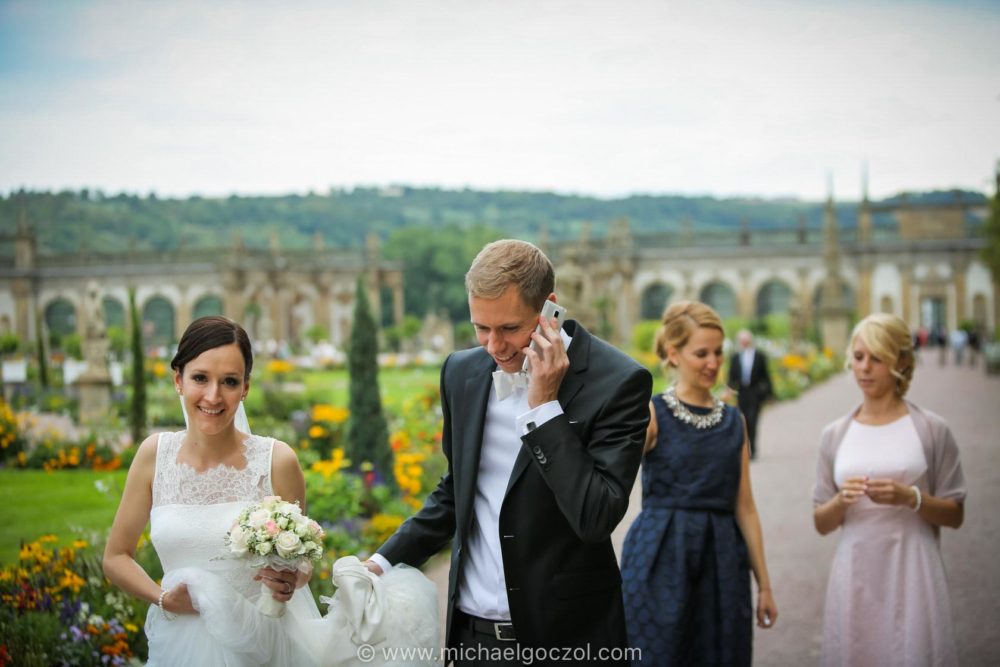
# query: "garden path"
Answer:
x=799 y=559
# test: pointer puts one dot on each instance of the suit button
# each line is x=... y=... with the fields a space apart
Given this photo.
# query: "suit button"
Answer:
x=537 y=450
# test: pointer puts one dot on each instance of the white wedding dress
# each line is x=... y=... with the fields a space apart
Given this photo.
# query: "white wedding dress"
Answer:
x=192 y=512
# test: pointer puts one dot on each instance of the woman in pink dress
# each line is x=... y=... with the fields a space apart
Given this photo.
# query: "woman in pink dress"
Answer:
x=889 y=475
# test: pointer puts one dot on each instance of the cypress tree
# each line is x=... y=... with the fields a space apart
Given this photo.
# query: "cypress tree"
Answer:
x=367 y=432
x=137 y=411
x=43 y=358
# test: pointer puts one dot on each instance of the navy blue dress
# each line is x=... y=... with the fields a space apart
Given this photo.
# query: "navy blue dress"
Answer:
x=685 y=569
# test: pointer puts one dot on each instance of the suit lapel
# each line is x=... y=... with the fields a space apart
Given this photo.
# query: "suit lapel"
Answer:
x=579 y=358
x=472 y=417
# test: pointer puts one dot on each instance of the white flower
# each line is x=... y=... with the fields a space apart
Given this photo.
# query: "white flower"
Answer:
x=258 y=518
x=302 y=528
x=288 y=544
x=283 y=522
x=238 y=540
x=263 y=548
x=294 y=509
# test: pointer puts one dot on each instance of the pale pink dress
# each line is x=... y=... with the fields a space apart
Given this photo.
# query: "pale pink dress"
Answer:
x=887 y=598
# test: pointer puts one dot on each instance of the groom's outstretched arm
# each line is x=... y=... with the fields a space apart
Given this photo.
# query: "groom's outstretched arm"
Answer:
x=433 y=526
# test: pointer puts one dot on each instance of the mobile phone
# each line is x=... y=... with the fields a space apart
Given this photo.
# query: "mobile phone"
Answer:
x=550 y=309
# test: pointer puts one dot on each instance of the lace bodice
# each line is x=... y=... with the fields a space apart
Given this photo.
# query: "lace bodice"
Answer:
x=179 y=484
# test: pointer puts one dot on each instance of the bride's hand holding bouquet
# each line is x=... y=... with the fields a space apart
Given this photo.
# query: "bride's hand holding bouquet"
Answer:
x=275 y=537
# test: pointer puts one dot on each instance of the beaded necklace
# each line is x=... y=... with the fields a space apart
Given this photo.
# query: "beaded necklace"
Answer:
x=682 y=413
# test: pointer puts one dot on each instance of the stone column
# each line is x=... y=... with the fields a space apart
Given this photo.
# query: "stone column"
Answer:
x=24 y=322
x=906 y=287
x=745 y=299
x=864 y=295
x=958 y=269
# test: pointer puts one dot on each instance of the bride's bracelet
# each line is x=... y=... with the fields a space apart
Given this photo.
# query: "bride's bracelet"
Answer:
x=159 y=603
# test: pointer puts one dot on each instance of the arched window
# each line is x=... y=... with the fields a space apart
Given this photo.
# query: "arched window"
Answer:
x=654 y=301
x=158 y=321
x=207 y=305
x=60 y=317
x=720 y=297
x=774 y=298
x=114 y=312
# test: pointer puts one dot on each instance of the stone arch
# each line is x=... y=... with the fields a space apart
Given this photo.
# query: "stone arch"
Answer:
x=654 y=300
x=773 y=298
x=114 y=312
x=721 y=297
x=159 y=321
x=60 y=317
x=207 y=305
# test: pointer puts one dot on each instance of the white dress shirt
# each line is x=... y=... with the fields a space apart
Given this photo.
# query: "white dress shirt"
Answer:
x=482 y=586
x=746 y=365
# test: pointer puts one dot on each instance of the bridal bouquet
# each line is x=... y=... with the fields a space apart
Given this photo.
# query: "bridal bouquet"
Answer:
x=274 y=533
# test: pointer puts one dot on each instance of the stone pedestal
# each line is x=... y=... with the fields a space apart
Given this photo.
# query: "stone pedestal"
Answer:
x=835 y=329
x=95 y=398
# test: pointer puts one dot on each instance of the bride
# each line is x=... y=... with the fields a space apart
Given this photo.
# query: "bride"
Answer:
x=190 y=486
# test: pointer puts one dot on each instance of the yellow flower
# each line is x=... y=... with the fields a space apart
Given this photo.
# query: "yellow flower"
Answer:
x=323 y=412
x=280 y=366
x=160 y=369
x=132 y=628
x=71 y=579
x=316 y=431
x=45 y=539
x=80 y=544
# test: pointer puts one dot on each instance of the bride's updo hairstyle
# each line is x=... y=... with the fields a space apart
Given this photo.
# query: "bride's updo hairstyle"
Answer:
x=208 y=333
x=681 y=320
x=888 y=339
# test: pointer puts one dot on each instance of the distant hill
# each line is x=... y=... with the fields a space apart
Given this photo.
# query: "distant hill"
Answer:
x=66 y=221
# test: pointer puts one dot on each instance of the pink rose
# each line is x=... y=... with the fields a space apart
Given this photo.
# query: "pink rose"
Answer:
x=271 y=527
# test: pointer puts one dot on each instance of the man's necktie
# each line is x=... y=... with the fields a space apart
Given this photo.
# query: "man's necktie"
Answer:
x=505 y=383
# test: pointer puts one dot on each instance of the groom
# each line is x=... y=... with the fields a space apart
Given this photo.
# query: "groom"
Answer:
x=536 y=481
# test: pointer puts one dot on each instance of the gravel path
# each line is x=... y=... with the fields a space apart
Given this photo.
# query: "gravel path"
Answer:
x=799 y=559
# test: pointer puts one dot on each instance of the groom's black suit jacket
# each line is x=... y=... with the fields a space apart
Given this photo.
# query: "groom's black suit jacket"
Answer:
x=568 y=491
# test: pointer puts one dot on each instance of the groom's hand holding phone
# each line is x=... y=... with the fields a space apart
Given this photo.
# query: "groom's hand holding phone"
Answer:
x=545 y=358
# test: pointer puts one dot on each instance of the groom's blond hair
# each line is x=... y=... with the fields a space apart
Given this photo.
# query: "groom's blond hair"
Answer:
x=511 y=262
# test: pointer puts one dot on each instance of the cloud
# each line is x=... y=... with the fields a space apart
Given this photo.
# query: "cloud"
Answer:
x=596 y=97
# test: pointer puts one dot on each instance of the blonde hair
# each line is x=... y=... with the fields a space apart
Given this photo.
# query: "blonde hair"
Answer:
x=889 y=340
x=511 y=262
x=681 y=320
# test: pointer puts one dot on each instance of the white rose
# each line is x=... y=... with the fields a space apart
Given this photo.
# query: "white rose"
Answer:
x=264 y=548
x=302 y=528
x=258 y=518
x=288 y=544
x=294 y=509
x=283 y=522
x=238 y=539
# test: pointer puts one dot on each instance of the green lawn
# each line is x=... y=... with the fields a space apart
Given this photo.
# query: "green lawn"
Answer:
x=63 y=502
x=395 y=384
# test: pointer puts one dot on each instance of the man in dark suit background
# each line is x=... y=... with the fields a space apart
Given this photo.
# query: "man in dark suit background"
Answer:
x=749 y=377
x=536 y=480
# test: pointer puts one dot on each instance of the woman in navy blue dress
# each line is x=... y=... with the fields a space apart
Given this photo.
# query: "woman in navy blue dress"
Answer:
x=687 y=558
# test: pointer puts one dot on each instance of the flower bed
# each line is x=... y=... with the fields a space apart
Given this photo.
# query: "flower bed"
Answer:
x=56 y=608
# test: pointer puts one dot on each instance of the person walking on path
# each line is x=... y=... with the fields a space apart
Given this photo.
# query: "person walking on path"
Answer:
x=888 y=474
x=750 y=379
x=687 y=558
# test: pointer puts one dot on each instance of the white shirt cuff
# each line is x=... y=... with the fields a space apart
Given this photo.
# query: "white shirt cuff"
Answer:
x=380 y=560
x=539 y=415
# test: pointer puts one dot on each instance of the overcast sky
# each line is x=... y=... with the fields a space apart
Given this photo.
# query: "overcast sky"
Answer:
x=607 y=98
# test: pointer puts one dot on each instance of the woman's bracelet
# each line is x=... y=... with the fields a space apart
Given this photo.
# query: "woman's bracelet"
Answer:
x=920 y=498
x=159 y=603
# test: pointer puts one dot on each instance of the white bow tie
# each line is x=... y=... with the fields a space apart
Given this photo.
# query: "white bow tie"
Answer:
x=505 y=383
